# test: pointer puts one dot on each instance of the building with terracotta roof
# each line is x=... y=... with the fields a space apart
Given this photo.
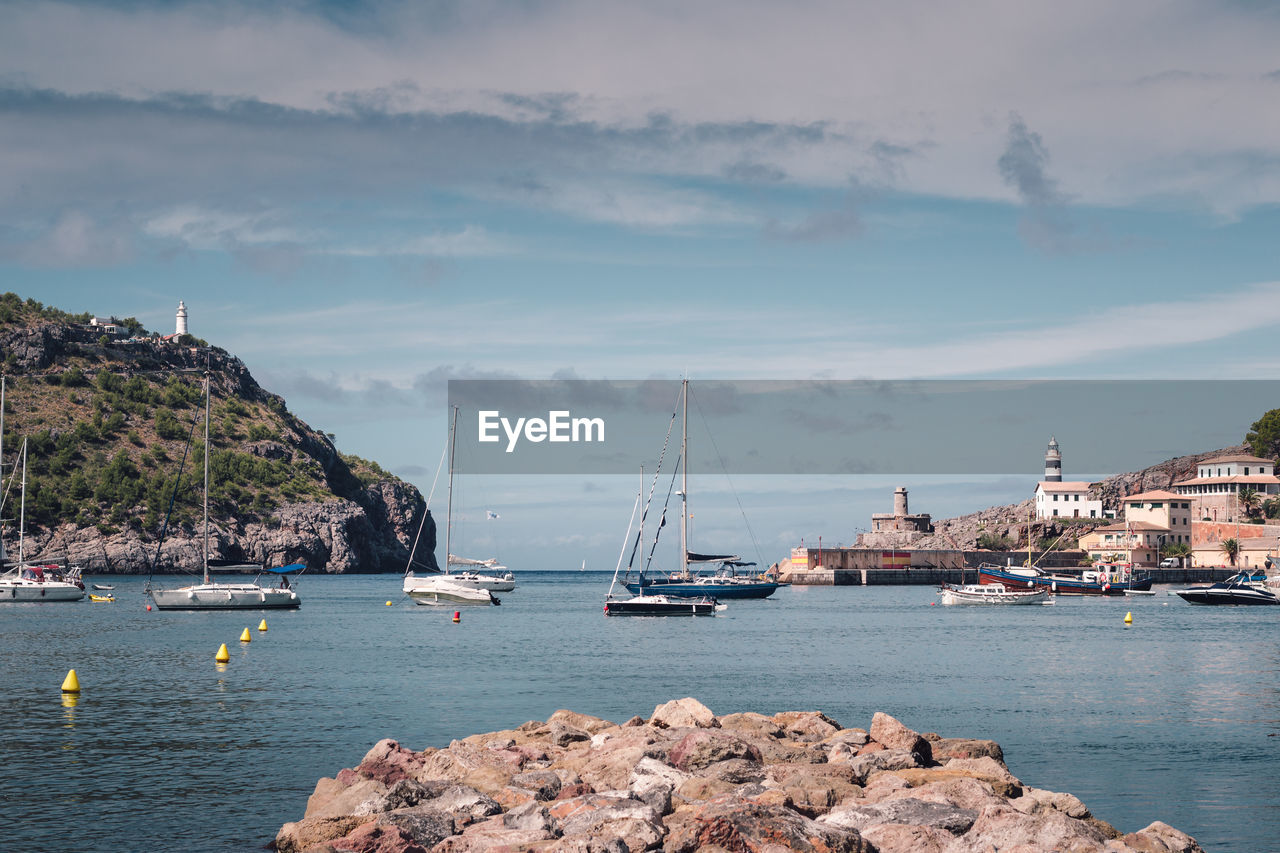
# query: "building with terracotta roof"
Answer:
x=1151 y=521
x=1215 y=490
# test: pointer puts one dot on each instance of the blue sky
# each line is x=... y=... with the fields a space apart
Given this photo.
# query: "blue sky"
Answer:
x=364 y=200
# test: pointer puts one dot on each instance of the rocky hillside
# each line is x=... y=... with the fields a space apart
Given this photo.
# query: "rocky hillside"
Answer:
x=113 y=423
x=1009 y=523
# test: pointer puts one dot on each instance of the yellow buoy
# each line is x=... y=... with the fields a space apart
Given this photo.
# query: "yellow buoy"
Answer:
x=71 y=684
x=223 y=655
x=262 y=626
x=245 y=636
x=388 y=603
x=1128 y=618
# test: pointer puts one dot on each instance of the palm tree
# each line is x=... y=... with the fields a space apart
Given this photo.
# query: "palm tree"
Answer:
x=1249 y=500
x=1181 y=550
x=1231 y=548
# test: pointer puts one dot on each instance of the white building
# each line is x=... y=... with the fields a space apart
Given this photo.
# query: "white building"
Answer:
x=1215 y=489
x=1058 y=499
x=182 y=318
x=1067 y=499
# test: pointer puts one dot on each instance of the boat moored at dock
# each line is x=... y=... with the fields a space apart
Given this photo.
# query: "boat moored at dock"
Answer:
x=1109 y=579
x=1248 y=588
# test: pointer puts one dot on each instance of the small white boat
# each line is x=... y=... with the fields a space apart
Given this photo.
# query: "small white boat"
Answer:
x=441 y=590
x=990 y=593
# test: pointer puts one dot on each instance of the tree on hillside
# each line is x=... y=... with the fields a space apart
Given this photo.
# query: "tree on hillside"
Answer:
x=1231 y=548
x=1263 y=437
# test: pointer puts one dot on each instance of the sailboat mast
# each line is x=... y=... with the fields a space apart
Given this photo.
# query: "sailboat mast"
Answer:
x=206 y=478
x=22 y=512
x=448 y=522
x=684 y=480
x=2 y=380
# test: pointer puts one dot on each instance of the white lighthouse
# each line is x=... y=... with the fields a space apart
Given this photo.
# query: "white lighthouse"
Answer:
x=182 y=318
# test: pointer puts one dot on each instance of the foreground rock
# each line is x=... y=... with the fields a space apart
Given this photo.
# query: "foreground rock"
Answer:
x=687 y=780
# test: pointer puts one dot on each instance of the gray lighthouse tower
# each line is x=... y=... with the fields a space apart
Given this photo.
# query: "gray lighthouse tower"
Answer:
x=1053 y=462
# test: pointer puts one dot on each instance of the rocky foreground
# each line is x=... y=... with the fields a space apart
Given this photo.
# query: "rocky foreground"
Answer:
x=687 y=780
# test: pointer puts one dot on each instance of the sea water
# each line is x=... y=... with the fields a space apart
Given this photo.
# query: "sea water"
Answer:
x=1174 y=718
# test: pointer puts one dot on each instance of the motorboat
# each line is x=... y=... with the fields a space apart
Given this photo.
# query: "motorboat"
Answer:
x=1241 y=588
x=991 y=593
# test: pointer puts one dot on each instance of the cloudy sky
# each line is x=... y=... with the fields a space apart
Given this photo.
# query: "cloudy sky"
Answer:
x=363 y=200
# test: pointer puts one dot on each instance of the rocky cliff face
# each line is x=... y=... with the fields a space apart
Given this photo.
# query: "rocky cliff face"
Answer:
x=310 y=505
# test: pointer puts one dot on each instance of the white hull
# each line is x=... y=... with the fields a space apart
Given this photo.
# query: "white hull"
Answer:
x=440 y=590
x=27 y=590
x=224 y=596
x=992 y=593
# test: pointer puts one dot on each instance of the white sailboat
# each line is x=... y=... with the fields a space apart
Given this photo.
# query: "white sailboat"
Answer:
x=465 y=588
x=221 y=596
x=31 y=582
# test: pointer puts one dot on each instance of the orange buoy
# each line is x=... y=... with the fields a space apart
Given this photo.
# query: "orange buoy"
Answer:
x=457 y=616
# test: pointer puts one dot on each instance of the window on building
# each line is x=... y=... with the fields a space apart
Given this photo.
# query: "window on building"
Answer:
x=1093 y=513
x=1246 y=470
x=1154 y=504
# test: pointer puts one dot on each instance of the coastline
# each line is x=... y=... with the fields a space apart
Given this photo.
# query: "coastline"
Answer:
x=685 y=779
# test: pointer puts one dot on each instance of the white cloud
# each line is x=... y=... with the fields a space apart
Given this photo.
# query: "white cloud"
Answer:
x=1136 y=101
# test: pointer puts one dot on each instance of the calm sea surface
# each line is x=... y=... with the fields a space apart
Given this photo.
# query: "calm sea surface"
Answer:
x=1176 y=718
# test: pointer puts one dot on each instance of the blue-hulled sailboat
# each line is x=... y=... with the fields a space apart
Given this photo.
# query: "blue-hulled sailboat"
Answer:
x=725 y=582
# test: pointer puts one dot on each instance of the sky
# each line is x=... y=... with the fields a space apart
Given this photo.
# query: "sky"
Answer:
x=365 y=200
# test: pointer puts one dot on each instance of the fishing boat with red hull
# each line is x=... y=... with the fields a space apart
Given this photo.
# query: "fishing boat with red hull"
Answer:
x=1108 y=579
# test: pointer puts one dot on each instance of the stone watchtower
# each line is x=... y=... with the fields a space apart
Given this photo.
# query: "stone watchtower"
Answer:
x=901 y=521
x=1053 y=462
x=182 y=319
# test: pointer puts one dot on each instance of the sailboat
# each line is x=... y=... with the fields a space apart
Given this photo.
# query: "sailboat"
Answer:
x=646 y=604
x=725 y=582
x=466 y=588
x=224 y=596
x=31 y=582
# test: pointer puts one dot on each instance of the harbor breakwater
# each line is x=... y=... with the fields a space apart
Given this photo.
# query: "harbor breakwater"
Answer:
x=686 y=779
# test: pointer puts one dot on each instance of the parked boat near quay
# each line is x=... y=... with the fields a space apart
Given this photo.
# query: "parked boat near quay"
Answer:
x=1111 y=579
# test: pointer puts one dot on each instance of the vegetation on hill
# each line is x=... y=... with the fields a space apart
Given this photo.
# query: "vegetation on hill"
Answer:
x=108 y=421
